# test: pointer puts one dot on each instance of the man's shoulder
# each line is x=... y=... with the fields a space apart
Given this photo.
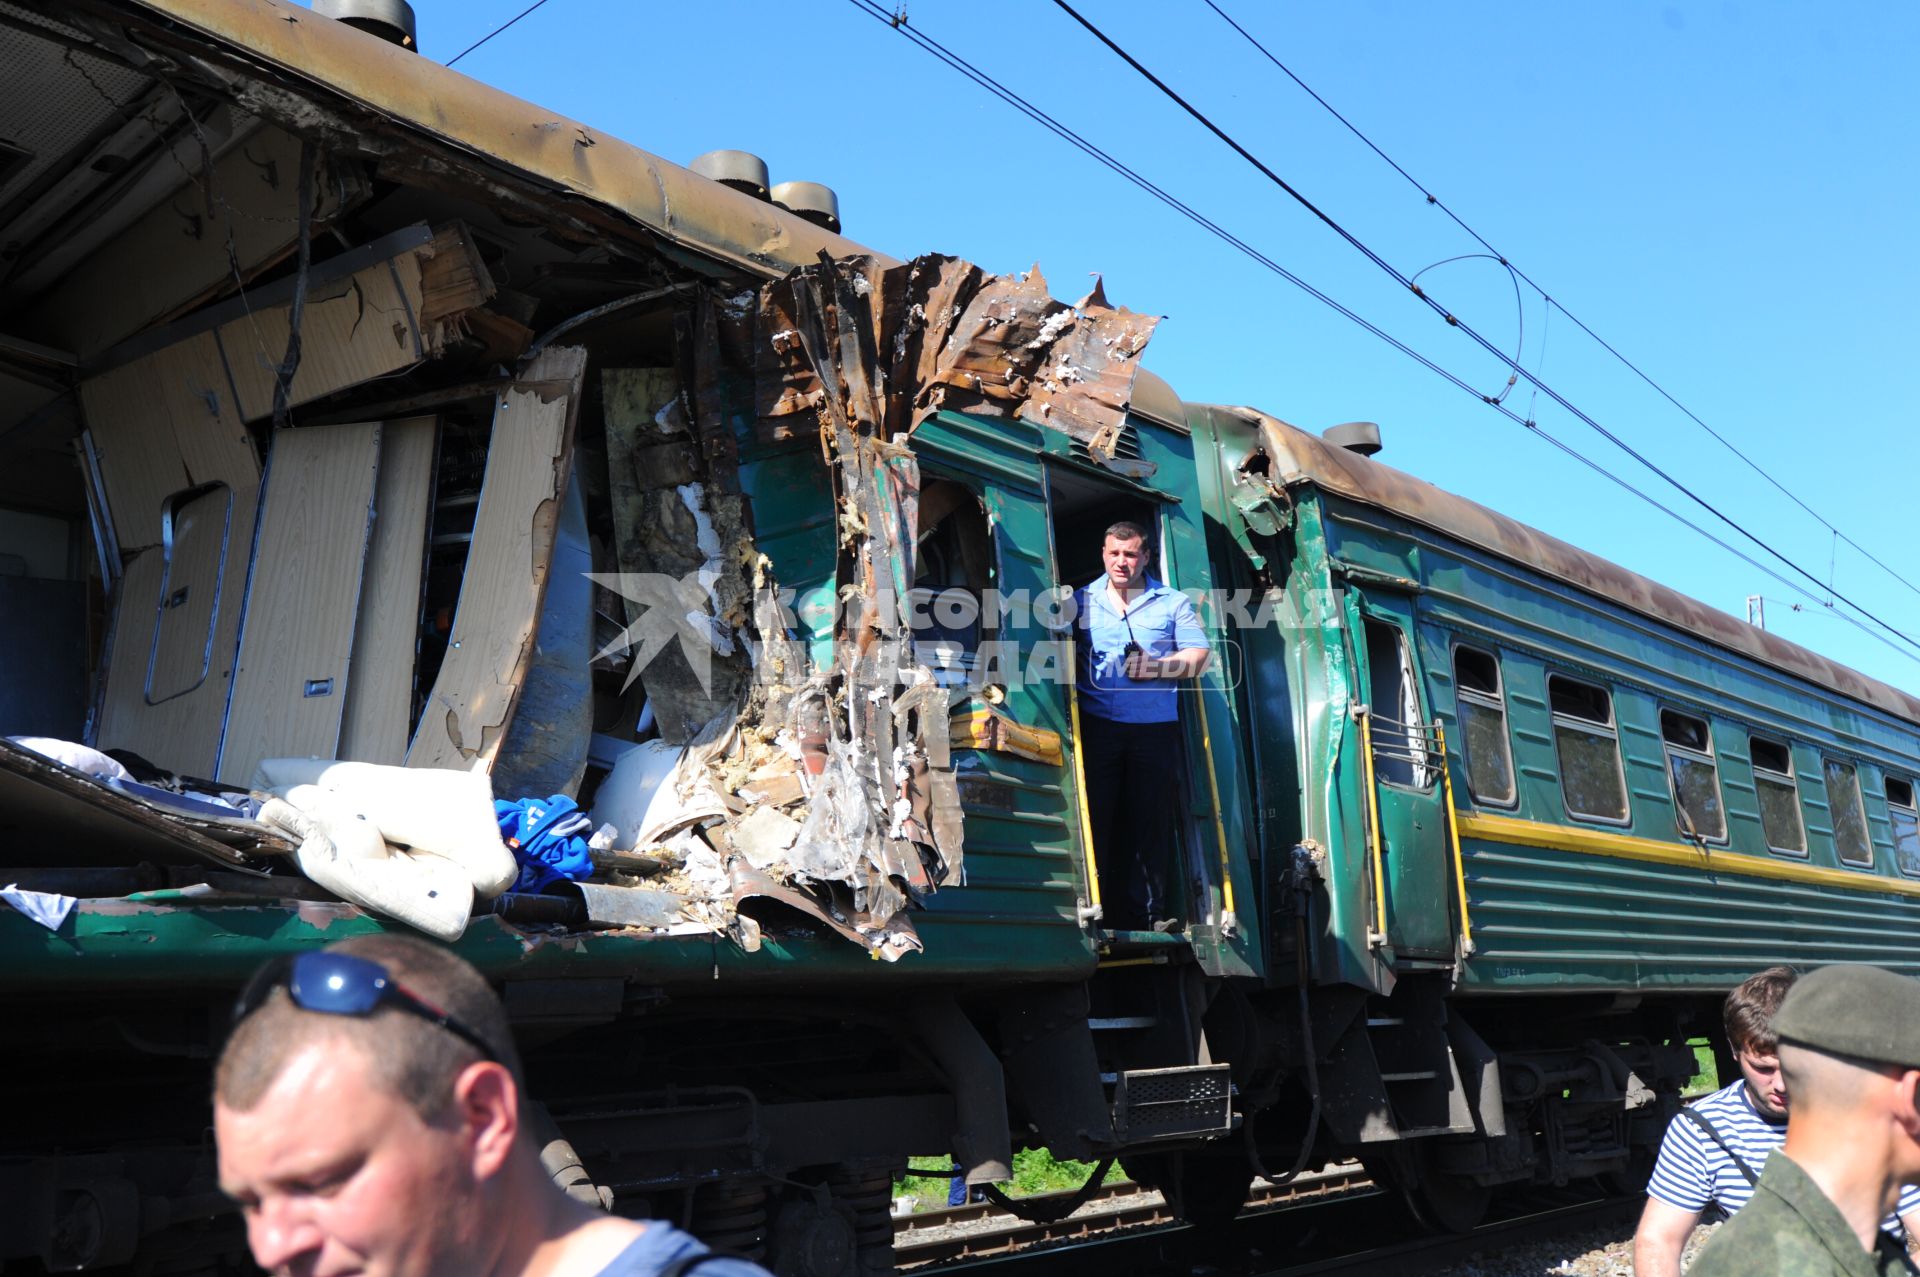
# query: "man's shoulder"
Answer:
x=1732 y=1113
x=663 y=1249
x=1766 y=1236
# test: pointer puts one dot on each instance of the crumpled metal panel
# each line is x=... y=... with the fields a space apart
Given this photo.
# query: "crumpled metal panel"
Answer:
x=944 y=334
x=1297 y=457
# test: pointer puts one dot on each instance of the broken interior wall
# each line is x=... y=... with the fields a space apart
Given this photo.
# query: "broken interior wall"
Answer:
x=857 y=353
x=180 y=477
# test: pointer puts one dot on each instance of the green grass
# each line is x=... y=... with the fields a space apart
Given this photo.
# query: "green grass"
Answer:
x=1707 y=1077
x=1035 y=1170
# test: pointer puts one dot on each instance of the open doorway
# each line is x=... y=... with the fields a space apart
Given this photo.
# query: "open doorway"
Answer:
x=1082 y=508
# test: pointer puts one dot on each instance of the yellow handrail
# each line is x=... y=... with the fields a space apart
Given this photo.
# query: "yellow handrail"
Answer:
x=1080 y=785
x=1453 y=830
x=1229 y=920
x=1379 y=936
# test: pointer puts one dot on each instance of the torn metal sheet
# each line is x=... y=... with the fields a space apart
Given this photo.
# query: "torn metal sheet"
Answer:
x=54 y=806
x=890 y=939
x=832 y=790
x=610 y=906
x=941 y=333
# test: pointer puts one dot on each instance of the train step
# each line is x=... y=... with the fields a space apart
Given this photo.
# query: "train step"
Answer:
x=1150 y=1104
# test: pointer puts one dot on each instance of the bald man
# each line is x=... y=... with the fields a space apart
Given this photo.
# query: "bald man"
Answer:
x=1850 y=1051
x=370 y=1120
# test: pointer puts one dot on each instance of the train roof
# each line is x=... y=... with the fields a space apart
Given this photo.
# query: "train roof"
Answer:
x=350 y=76
x=1298 y=457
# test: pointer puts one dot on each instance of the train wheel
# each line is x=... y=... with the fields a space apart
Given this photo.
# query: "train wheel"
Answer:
x=1440 y=1200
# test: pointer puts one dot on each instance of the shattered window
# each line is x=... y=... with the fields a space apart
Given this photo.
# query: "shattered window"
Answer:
x=1399 y=742
x=1779 y=796
x=1588 y=747
x=1849 y=815
x=1906 y=825
x=1695 y=775
x=953 y=570
x=1482 y=709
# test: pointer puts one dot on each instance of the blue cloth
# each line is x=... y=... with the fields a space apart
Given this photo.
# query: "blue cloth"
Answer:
x=548 y=837
x=1161 y=621
x=661 y=1245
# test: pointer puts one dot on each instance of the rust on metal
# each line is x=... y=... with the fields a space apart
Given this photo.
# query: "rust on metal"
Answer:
x=307 y=71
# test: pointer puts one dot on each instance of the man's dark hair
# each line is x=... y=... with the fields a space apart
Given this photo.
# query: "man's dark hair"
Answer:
x=1750 y=1010
x=414 y=1058
x=1125 y=530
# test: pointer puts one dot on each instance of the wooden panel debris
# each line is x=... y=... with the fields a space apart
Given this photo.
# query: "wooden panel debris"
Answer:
x=164 y=423
x=352 y=330
x=289 y=689
x=239 y=217
x=181 y=732
x=379 y=701
x=507 y=563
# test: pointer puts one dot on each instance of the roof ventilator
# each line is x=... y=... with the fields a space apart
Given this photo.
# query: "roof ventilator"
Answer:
x=742 y=170
x=391 y=20
x=811 y=201
x=1362 y=437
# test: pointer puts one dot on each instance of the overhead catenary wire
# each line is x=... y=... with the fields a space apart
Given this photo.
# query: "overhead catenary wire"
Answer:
x=1473 y=334
x=937 y=50
x=496 y=31
x=1553 y=303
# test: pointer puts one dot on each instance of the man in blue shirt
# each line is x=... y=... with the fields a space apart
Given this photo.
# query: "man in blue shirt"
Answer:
x=1137 y=639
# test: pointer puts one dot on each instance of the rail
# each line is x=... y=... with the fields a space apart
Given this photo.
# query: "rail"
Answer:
x=981 y=1230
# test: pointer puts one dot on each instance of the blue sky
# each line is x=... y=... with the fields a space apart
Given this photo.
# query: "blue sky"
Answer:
x=1725 y=191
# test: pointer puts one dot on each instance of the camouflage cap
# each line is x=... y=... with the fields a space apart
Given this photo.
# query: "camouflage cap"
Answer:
x=1864 y=1012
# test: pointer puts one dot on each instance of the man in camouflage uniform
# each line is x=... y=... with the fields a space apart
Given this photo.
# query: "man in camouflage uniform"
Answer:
x=1850 y=1050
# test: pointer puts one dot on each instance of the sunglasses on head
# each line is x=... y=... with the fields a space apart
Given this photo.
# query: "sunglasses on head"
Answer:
x=343 y=984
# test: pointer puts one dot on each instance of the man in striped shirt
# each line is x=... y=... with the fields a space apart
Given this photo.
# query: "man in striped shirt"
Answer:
x=1716 y=1164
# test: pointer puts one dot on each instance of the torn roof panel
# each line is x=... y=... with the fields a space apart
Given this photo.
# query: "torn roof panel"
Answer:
x=338 y=68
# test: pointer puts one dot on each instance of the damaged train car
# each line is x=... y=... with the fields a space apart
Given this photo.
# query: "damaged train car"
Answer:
x=422 y=511
x=383 y=453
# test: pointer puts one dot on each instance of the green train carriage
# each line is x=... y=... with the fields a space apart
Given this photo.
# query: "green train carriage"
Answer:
x=1551 y=811
x=1476 y=827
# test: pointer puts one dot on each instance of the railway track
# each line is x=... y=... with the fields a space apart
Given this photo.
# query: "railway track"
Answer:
x=1328 y=1222
x=1419 y=1256
x=982 y=1231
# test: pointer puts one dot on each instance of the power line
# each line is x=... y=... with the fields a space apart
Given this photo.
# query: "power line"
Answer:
x=1554 y=303
x=981 y=78
x=496 y=31
x=1456 y=322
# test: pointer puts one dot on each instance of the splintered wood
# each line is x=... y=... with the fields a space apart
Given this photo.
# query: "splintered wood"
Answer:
x=507 y=562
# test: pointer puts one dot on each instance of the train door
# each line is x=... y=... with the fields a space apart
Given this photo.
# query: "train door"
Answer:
x=1082 y=507
x=1408 y=830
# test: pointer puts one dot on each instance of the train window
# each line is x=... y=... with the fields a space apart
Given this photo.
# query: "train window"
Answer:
x=1779 y=796
x=953 y=562
x=1400 y=744
x=1849 y=814
x=1482 y=710
x=1589 y=748
x=1906 y=825
x=1695 y=776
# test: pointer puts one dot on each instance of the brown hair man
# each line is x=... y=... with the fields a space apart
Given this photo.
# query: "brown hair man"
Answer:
x=370 y=1120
